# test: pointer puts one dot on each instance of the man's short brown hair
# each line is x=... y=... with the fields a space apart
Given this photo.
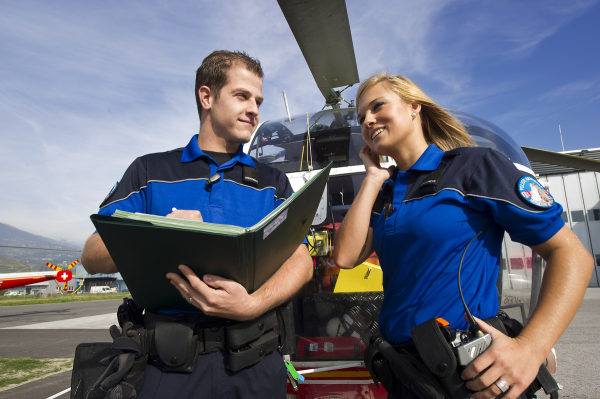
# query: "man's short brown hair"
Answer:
x=213 y=71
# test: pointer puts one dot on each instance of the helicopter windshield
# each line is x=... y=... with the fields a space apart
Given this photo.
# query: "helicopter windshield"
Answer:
x=334 y=135
x=489 y=135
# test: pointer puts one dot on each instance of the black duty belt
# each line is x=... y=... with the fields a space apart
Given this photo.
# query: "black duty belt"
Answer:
x=428 y=367
x=175 y=342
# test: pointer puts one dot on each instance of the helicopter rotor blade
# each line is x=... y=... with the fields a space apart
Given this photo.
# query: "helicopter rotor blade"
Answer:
x=322 y=31
x=566 y=160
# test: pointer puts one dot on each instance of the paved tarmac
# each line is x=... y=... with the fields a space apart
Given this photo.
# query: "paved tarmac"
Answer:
x=578 y=349
x=52 y=331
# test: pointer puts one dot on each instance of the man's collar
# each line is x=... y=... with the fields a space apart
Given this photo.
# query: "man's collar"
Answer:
x=192 y=151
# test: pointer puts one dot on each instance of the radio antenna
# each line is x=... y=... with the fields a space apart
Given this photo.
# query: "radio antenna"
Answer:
x=287 y=109
x=474 y=326
x=561 y=139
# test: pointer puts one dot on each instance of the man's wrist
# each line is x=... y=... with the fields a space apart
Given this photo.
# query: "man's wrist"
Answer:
x=253 y=307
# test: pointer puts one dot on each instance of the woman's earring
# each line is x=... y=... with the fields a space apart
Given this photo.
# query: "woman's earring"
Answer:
x=414 y=115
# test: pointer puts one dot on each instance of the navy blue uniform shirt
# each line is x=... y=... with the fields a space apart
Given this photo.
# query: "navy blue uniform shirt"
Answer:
x=439 y=205
x=157 y=183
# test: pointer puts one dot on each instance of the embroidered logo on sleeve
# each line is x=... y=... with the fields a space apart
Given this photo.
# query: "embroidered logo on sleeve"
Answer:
x=533 y=192
x=112 y=190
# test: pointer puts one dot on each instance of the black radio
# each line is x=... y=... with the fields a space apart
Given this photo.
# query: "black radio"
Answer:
x=467 y=344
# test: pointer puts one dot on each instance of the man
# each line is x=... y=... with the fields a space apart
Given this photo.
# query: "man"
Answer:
x=211 y=179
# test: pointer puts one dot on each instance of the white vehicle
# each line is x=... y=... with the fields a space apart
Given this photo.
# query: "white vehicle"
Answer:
x=13 y=293
x=102 y=289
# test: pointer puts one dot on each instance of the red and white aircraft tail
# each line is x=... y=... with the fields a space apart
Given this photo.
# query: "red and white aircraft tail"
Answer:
x=60 y=275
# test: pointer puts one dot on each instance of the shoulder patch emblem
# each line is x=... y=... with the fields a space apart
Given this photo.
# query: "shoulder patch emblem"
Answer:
x=533 y=192
x=112 y=190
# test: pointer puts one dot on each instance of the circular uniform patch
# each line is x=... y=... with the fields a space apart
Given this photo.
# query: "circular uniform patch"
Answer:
x=112 y=190
x=533 y=192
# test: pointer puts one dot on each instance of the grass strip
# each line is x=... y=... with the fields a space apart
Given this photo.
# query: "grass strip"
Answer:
x=36 y=300
x=14 y=372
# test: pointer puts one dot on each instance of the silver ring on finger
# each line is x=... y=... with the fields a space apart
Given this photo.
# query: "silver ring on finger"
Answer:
x=502 y=385
x=190 y=299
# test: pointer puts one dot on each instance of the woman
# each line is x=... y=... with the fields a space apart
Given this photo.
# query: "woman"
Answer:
x=443 y=194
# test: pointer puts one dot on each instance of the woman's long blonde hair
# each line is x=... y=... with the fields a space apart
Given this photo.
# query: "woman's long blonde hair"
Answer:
x=439 y=126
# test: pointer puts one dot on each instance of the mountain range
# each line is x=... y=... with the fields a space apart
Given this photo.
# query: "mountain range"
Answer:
x=39 y=250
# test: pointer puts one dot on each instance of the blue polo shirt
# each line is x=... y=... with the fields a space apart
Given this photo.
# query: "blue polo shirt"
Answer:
x=246 y=191
x=438 y=206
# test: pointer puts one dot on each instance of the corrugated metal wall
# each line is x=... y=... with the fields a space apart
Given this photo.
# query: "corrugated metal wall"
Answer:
x=579 y=194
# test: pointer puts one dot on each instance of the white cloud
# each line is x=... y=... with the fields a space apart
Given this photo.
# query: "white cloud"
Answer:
x=88 y=87
x=572 y=91
x=91 y=89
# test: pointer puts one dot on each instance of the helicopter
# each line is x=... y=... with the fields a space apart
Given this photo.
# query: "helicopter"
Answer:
x=336 y=313
x=59 y=275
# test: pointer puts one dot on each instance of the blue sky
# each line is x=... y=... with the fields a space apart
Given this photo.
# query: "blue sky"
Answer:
x=88 y=86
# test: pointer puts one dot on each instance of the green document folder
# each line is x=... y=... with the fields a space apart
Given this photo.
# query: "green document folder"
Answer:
x=146 y=247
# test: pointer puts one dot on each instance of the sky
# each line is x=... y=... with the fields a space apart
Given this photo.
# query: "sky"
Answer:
x=87 y=86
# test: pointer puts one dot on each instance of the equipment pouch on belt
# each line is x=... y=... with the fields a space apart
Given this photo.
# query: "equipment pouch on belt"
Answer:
x=394 y=366
x=249 y=342
x=438 y=356
x=175 y=341
x=286 y=327
x=174 y=345
x=241 y=334
x=237 y=359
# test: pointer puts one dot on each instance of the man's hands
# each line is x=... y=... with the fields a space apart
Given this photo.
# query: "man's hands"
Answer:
x=513 y=360
x=215 y=296
x=221 y=297
x=185 y=214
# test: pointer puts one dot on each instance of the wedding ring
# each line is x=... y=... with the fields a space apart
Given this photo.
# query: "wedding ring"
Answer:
x=190 y=300
x=502 y=385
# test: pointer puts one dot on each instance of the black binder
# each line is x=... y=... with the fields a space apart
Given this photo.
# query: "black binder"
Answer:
x=147 y=247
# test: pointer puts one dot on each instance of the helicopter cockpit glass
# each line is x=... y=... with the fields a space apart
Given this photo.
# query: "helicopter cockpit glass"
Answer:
x=292 y=145
x=487 y=134
x=334 y=135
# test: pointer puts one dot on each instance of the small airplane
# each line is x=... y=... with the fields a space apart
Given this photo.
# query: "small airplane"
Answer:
x=337 y=312
x=60 y=275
